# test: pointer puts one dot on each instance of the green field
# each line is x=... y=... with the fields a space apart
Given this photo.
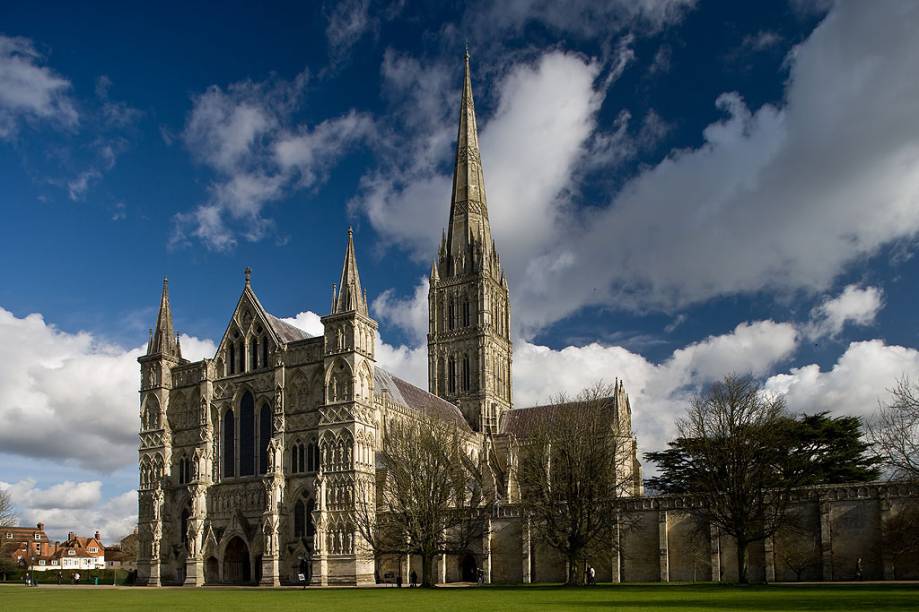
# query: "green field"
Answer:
x=619 y=597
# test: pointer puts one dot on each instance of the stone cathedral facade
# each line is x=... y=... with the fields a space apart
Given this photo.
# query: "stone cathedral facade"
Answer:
x=251 y=461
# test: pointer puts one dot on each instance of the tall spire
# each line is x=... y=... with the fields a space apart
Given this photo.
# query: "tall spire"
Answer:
x=164 y=339
x=468 y=205
x=350 y=295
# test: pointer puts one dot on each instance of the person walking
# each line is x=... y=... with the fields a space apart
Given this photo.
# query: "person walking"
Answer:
x=593 y=575
x=413 y=578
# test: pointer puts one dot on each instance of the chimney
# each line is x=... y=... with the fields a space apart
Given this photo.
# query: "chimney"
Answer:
x=71 y=535
x=41 y=526
x=98 y=536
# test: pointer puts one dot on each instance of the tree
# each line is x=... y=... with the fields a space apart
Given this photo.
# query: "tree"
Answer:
x=830 y=450
x=7 y=511
x=733 y=452
x=574 y=463
x=430 y=497
x=895 y=431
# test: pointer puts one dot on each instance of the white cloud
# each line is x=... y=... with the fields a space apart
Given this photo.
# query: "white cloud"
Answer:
x=856 y=383
x=246 y=135
x=196 y=349
x=348 y=22
x=74 y=506
x=308 y=321
x=855 y=305
x=761 y=41
x=409 y=314
x=777 y=198
x=30 y=91
x=65 y=494
x=583 y=18
x=69 y=396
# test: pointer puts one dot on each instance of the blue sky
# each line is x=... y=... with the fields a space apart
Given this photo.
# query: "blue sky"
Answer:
x=678 y=189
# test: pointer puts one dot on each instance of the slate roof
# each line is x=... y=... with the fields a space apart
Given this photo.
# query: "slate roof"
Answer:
x=519 y=421
x=407 y=394
x=286 y=331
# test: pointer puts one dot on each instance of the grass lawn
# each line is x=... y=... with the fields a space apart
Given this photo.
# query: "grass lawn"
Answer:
x=618 y=597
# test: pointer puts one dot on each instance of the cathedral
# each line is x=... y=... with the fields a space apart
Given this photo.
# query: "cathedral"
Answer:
x=249 y=461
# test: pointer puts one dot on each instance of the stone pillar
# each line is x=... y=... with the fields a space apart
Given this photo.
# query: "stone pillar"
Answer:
x=440 y=569
x=769 y=551
x=526 y=542
x=715 y=543
x=887 y=558
x=826 y=540
x=405 y=567
x=486 y=551
x=663 y=546
x=617 y=550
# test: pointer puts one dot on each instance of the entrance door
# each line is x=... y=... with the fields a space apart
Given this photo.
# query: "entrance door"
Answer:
x=236 y=563
x=470 y=569
x=210 y=570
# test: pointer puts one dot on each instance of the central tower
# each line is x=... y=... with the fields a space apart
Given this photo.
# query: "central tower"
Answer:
x=469 y=346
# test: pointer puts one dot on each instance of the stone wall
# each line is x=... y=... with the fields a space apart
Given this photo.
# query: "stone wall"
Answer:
x=829 y=529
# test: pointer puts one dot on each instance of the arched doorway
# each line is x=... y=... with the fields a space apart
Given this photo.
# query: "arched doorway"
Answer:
x=469 y=568
x=236 y=567
x=211 y=574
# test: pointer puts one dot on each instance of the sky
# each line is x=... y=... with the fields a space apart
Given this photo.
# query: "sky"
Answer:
x=678 y=189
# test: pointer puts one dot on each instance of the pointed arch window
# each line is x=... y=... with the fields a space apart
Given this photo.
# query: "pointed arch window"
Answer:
x=264 y=352
x=247 y=435
x=451 y=374
x=229 y=444
x=264 y=437
x=253 y=358
x=299 y=519
x=294 y=455
x=466 y=317
x=231 y=361
x=451 y=317
x=466 y=373
x=312 y=456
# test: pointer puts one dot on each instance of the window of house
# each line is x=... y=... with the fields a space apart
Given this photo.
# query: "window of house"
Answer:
x=37 y=536
x=93 y=549
x=71 y=552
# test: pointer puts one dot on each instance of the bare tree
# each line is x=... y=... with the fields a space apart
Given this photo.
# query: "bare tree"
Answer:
x=734 y=451
x=895 y=430
x=7 y=511
x=799 y=547
x=901 y=537
x=429 y=498
x=574 y=463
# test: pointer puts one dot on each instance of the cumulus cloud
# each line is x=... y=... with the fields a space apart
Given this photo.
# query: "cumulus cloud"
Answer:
x=74 y=506
x=854 y=385
x=408 y=314
x=779 y=198
x=308 y=321
x=246 y=135
x=69 y=396
x=855 y=305
x=30 y=91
